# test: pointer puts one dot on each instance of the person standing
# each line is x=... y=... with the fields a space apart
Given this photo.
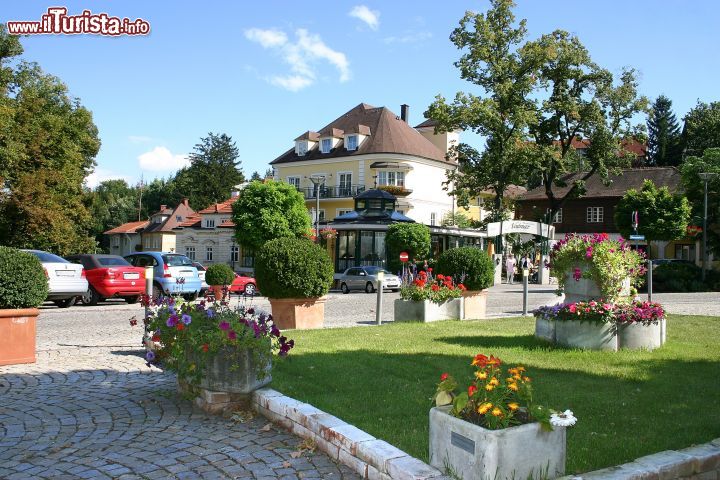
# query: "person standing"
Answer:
x=510 y=268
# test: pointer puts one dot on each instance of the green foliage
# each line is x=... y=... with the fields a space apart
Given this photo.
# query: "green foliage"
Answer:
x=219 y=274
x=663 y=216
x=438 y=289
x=702 y=128
x=111 y=203
x=678 y=277
x=457 y=219
x=413 y=238
x=269 y=210
x=293 y=268
x=23 y=283
x=695 y=191
x=467 y=265
x=664 y=139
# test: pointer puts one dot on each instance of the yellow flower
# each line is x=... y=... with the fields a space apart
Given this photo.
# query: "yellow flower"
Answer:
x=512 y=371
x=483 y=408
x=513 y=406
x=510 y=380
x=517 y=376
x=513 y=387
x=481 y=375
x=497 y=412
x=494 y=381
x=527 y=379
x=489 y=387
x=520 y=369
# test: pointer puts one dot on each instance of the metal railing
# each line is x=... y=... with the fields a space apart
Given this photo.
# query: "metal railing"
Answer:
x=337 y=191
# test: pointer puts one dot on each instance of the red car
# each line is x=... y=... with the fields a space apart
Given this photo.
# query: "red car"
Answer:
x=110 y=276
x=243 y=284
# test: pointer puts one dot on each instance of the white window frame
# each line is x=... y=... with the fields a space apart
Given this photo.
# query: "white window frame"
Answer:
x=209 y=223
x=302 y=147
x=294 y=180
x=190 y=252
x=209 y=253
x=234 y=253
x=595 y=215
x=343 y=211
x=323 y=143
x=433 y=218
x=558 y=217
x=350 y=139
x=391 y=178
x=116 y=240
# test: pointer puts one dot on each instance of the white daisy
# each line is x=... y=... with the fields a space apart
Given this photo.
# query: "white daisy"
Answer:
x=564 y=419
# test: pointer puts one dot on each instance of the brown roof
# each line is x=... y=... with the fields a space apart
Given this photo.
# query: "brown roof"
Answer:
x=130 y=227
x=309 y=135
x=222 y=207
x=182 y=210
x=332 y=132
x=388 y=134
x=427 y=123
x=630 y=178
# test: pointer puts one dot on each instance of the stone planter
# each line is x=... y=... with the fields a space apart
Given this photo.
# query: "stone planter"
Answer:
x=17 y=335
x=469 y=451
x=427 y=311
x=474 y=304
x=586 y=335
x=635 y=336
x=545 y=329
x=586 y=289
x=235 y=372
x=293 y=313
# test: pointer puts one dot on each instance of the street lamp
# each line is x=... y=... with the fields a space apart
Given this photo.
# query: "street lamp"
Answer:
x=705 y=177
x=318 y=181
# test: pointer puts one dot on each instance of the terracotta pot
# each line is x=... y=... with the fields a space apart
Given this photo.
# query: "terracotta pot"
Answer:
x=218 y=292
x=17 y=335
x=474 y=304
x=294 y=313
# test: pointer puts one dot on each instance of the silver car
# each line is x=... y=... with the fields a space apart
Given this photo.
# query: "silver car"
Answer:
x=365 y=278
x=66 y=280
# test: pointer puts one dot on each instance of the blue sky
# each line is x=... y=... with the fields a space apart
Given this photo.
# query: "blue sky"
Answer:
x=264 y=72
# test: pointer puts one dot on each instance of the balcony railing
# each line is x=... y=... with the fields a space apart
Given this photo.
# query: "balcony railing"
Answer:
x=338 y=191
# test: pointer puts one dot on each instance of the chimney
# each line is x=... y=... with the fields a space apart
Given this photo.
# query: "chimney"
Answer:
x=185 y=202
x=163 y=207
x=405 y=113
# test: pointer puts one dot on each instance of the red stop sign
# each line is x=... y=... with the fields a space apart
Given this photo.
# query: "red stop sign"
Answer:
x=404 y=257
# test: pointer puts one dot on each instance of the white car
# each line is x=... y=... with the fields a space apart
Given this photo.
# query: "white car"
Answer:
x=66 y=281
x=201 y=273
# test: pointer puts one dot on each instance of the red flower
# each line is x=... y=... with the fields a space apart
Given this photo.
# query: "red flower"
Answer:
x=471 y=390
x=461 y=286
x=494 y=361
x=480 y=360
x=205 y=347
x=443 y=377
x=180 y=326
x=156 y=338
x=430 y=270
x=435 y=288
x=440 y=276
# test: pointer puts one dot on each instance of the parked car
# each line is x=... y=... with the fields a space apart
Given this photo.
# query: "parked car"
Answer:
x=174 y=274
x=365 y=278
x=110 y=276
x=243 y=284
x=66 y=280
x=201 y=273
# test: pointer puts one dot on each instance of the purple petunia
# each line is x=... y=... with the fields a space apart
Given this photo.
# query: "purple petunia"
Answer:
x=232 y=335
x=210 y=312
x=186 y=319
x=150 y=356
x=172 y=320
x=224 y=325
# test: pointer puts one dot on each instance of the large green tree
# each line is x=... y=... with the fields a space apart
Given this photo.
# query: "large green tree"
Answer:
x=48 y=143
x=702 y=129
x=213 y=174
x=695 y=192
x=502 y=110
x=413 y=238
x=664 y=146
x=268 y=210
x=663 y=216
x=112 y=203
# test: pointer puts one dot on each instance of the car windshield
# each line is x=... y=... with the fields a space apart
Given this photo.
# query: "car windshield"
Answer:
x=375 y=270
x=177 y=261
x=46 y=257
x=113 y=262
x=199 y=266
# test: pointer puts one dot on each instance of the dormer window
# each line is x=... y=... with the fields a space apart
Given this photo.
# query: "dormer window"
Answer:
x=210 y=223
x=352 y=142
x=302 y=148
x=326 y=145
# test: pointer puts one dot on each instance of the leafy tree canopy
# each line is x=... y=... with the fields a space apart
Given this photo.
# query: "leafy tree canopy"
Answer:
x=702 y=129
x=695 y=192
x=413 y=238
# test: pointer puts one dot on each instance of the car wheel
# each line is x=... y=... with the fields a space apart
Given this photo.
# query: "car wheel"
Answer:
x=91 y=297
x=369 y=288
x=250 y=289
x=190 y=297
x=131 y=300
x=344 y=288
x=68 y=302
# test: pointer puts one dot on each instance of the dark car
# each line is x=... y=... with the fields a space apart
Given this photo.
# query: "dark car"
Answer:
x=110 y=276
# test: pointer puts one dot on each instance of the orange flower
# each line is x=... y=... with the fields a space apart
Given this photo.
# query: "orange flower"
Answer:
x=497 y=412
x=526 y=379
x=489 y=387
x=513 y=371
x=517 y=376
x=513 y=406
x=471 y=390
x=513 y=387
x=481 y=375
x=520 y=368
x=494 y=361
x=480 y=360
x=494 y=381
x=483 y=408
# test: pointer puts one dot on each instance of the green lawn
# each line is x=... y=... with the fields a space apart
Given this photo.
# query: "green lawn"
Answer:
x=628 y=404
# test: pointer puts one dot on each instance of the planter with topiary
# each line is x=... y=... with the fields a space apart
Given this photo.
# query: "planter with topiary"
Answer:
x=474 y=269
x=295 y=274
x=23 y=287
x=219 y=277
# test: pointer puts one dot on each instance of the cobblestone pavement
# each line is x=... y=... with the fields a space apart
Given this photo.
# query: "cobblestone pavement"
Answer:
x=100 y=412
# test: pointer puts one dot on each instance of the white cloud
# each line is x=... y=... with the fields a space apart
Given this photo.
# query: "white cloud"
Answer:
x=413 y=37
x=139 y=139
x=302 y=55
x=160 y=159
x=101 y=174
x=363 y=13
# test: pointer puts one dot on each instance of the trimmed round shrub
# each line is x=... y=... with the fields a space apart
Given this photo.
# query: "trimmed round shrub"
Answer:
x=23 y=283
x=413 y=238
x=219 y=274
x=293 y=268
x=467 y=265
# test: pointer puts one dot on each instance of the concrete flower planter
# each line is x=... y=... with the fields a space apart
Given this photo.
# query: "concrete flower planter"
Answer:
x=294 y=313
x=469 y=451
x=427 y=311
x=474 y=304
x=601 y=336
x=17 y=335
x=235 y=372
x=545 y=329
x=636 y=336
x=586 y=289
x=586 y=335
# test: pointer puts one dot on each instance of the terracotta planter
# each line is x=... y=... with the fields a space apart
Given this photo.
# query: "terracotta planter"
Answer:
x=298 y=313
x=17 y=335
x=474 y=304
x=218 y=292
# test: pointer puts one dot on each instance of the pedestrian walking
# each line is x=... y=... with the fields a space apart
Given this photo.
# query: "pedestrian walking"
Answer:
x=510 y=268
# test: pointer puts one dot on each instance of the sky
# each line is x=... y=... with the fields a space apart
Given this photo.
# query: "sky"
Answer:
x=265 y=72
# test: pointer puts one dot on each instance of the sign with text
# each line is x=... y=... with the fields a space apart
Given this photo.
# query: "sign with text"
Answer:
x=520 y=226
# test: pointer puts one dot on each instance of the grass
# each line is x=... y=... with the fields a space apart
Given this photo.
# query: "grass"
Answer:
x=628 y=403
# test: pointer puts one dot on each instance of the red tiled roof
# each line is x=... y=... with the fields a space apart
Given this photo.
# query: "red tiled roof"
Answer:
x=191 y=221
x=182 y=210
x=227 y=223
x=130 y=227
x=222 y=207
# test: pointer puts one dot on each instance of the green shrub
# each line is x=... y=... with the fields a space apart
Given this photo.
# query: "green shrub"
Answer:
x=23 y=283
x=293 y=268
x=677 y=277
x=219 y=274
x=467 y=265
x=413 y=238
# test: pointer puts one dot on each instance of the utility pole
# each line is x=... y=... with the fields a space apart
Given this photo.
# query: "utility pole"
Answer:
x=140 y=202
x=705 y=177
x=317 y=181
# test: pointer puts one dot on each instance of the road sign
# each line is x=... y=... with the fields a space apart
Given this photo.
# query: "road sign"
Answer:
x=404 y=257
x=637 y=237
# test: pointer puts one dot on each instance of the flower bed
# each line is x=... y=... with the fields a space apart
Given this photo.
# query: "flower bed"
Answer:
x=429 y=299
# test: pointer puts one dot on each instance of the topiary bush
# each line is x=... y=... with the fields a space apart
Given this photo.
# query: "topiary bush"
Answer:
x=293 y=268
x=467 y=265
x=23 y=283
x=219 y=274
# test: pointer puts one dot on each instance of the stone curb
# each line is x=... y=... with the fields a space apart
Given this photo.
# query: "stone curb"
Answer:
x=367 y=456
